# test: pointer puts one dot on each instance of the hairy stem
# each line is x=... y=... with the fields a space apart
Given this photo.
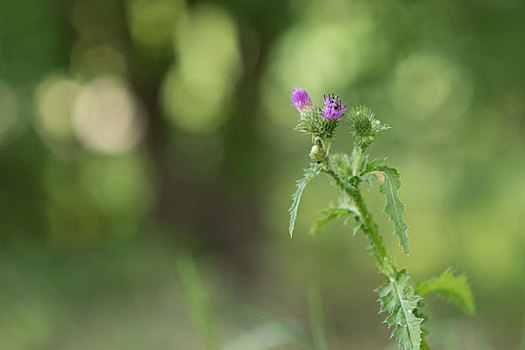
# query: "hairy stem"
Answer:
x=357 y=154
x=377 y=247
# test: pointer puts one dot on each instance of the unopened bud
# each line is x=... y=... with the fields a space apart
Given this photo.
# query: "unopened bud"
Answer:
x=301 y=100
x=317 y=153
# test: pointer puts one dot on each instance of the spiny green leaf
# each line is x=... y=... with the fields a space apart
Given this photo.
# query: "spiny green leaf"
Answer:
x=309 y=174
x=369 y=174
x=389 y=185
x=330 y=213
x=424 y=344
x=397 y=298
x=370 y=166
x=424 y=331
x=454 y=288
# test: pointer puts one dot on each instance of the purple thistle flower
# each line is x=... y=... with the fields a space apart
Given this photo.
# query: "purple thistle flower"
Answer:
x=333 y=107
x=300 y=99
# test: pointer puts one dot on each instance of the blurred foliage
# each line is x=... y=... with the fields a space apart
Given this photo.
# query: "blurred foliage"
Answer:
x=136 y=131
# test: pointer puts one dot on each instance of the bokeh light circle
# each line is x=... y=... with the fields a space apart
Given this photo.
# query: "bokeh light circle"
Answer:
x=106 y=117
x=196 y=89
x=54 y=99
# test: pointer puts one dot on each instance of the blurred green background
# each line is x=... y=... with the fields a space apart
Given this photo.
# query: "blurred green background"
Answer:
x=145 y=143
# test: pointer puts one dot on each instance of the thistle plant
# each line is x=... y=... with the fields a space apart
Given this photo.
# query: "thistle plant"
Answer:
x=398 y=296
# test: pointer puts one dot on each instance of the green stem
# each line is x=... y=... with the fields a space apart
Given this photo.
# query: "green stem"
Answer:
x=357 y=155
x=377 y=247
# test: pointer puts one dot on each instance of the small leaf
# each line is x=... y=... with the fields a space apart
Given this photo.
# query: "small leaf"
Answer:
x=331 y=213
x=342 y=164
x=357 y=226
x=370 y=166
x=397 y=298
x=453 y=288
x=389 y=185
x=309 y=174
x=370 y=175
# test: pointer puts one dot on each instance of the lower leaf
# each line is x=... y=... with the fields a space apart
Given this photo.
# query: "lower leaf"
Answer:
x=344 y=209
x=398 y=298
x=453 y=288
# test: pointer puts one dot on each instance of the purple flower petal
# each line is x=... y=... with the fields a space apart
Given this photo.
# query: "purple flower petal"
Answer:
x=333 y=107
x=300 y=99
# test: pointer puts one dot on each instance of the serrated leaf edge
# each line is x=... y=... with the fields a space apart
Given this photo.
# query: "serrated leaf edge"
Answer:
x=309 y=174
x=400 y=303
x=334 y=212
x=466 y=304
x=400 y=226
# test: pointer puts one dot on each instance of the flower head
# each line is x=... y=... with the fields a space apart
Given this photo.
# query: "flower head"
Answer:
x=365 y=126
x=300 y=99
x=333 y=107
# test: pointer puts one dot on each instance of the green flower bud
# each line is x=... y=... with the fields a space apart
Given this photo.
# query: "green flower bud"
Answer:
x=317 y=153
x=365 y=126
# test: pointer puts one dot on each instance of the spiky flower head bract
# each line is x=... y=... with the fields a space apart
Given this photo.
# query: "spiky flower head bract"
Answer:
x=301 y=100
x=333 y=107
x=365 y=126
x=318 y=122
x=313 y=123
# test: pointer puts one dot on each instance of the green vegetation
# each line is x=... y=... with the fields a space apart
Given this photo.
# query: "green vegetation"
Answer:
x=135 y=133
